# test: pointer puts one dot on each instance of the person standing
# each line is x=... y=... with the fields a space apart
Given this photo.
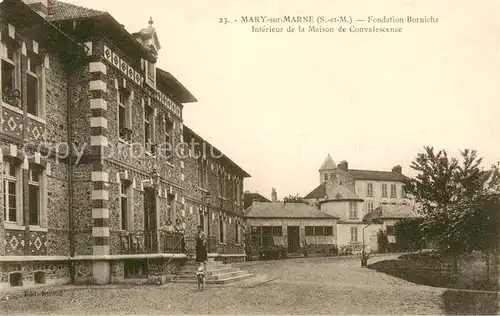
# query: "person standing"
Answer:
x=179 y=229
x=201 y=246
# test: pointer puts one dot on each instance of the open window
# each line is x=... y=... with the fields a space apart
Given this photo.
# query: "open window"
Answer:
x=11 y=77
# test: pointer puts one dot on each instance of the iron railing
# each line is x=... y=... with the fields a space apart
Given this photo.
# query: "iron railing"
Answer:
x=151 y=241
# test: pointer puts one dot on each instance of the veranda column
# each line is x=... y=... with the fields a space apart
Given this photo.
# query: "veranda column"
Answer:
x=100 y=177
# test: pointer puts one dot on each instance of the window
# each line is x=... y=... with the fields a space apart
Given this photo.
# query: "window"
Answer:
x=384 y=190
x=12 y=192
x=171 y=207
x=202 y=221
x=319 y=230
x=403 y=192
x=151 y=70
x=34 y=195
x=326 y=176
x=126 y=205
x=369 y=206
x=222 y=230
x=202 y=173
x=369 y=189
x=237 y=191
x=236 y=233
x=354 y=234
x=124 y=117
x=222 y=184
x=393 y=191
x=277 y=231
x=390 y=230
x=353 y=210
x=10 y=78
x=33 y=88
x=150 y=74
x=148 y=129
x=169 y=138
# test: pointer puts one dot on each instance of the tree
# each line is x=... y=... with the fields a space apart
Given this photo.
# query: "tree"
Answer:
x=409 y=235
x=293 y=199
x=457 y=201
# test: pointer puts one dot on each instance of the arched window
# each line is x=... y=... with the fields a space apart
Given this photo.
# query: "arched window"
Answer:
x=331 y=175
x=326 y=176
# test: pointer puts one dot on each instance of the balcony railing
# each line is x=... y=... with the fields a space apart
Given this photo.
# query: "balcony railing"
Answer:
x=151 y=241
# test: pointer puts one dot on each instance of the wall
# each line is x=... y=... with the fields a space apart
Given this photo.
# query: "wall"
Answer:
x=377 y=199
x=344 y=235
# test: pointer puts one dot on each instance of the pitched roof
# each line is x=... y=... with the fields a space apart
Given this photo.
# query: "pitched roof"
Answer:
x=66 y=11
x=317 y=193
x=284 y=210
x=376 y=175
x=256 y=196
x=391 y=211
x=251 y=197
x=328 y=163
x=174 y=87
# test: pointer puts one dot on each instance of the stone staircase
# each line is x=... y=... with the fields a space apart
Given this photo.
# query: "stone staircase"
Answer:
x=216 y=273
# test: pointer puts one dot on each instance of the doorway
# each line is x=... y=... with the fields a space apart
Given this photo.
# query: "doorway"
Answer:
x=150 y=224
x=293 y=236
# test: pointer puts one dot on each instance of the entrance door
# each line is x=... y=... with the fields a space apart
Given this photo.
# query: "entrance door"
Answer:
x=293 y=237
x=150 y=225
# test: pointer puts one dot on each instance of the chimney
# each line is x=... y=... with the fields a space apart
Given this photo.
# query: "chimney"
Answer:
x=397 y=169
x=274 y=196
x=39 y=6
x=343 y=165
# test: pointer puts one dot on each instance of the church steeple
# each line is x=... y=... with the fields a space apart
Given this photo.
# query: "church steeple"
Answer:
x=327 y=169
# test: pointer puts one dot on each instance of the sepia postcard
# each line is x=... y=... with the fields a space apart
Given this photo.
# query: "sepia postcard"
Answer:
x=280 y=157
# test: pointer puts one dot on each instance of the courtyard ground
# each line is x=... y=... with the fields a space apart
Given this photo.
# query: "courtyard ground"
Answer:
x=300 y=286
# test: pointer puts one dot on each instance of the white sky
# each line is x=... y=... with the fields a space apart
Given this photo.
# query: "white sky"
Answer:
x=277 y=104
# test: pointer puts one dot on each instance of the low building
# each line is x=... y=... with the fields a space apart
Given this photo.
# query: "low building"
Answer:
x=295 y=226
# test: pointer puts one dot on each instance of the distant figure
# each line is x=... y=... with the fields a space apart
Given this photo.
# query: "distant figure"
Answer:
x=201 y=246
x=169 y=228
x=179 y=229
x=200 y=276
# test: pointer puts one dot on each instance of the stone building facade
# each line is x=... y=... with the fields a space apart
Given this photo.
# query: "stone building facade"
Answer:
x=94 y=154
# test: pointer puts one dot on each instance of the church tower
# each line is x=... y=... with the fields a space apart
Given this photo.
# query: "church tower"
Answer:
x=327 y=169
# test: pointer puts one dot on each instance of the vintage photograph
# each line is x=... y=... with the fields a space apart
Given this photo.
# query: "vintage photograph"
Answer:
x=227 y=157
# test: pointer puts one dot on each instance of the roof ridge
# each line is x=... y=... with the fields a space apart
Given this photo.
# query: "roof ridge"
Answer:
x=371 y=170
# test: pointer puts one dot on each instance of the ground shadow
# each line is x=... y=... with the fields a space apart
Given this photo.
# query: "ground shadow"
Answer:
x=457 y=302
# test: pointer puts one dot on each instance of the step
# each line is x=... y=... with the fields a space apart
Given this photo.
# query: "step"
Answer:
x=207 y=272
x=223 y=276
x=212 y=277
x=208 y=268
x=219 y=281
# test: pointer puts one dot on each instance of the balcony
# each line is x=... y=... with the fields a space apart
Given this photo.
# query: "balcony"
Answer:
x=144 y=241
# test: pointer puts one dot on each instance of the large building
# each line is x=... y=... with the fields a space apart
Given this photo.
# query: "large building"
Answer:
x=95 y=155
x=357 y=197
